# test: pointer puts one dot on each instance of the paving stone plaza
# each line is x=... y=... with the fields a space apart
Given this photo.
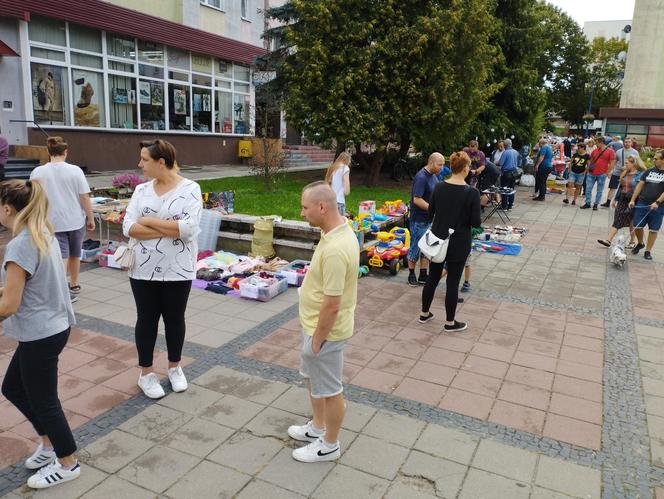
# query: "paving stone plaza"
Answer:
x=555 y=390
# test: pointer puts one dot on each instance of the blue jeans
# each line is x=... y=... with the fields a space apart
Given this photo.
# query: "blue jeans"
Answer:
x=417 y=230
x=591 y=180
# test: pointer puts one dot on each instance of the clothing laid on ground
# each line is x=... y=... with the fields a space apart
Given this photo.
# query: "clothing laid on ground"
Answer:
x=31 y=384
x=455 y=207
x=579 y=162
x=332 y=272
x=338 y=183
x=166 y=258
x=653 y=188
x=46 y=307
x=155 y=299
x=64 y=183
x=423 y=185
x=600 y=159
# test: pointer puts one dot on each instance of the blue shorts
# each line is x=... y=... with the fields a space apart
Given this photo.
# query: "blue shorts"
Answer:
x=417 y=230
x=644 y=215
x=576 y=178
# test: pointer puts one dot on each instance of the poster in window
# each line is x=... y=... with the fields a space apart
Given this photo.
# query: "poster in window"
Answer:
x=87 y=89
x=206 y=102
x=179 y=101
x=198 y=103
x=131 y=96
x=157 y=94
x=120 y=96
x=144 y=92
x=48 y=96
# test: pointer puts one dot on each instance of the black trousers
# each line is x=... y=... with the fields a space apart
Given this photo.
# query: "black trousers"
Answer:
x=31 y=384
x=155 y=299
x=540 y=181
x=507 y=179
x=454 y=271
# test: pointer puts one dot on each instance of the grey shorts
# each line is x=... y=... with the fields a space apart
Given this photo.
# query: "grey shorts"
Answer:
x=71 y=242
x=324 y=371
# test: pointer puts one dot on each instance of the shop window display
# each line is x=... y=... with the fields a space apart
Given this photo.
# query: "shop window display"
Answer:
x=224 y=112
x=88 y=88
x=178 y=103
x=241 y=113
x=123 y=102
x=151 y=100
x=119 y=46
x=151 y=52
x=49 y=95
x=202 y=109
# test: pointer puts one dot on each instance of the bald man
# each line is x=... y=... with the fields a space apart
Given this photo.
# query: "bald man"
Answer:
x=423 y=185
x=327 y=306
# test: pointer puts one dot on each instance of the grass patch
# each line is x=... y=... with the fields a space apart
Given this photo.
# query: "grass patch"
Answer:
x=285 y=201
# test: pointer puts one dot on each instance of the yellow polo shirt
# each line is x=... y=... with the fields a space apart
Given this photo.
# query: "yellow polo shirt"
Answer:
x=333 y=272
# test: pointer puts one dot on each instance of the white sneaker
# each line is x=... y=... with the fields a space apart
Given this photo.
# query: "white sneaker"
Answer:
x=316 y=451
x=305 y=433
x=40 y=458
x=150 y=386
x=177 y=379
x=53 y=474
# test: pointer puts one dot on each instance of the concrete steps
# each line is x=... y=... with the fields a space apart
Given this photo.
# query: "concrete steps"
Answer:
x=307 y=155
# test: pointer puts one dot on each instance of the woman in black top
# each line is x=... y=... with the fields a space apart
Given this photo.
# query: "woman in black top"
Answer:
x=454 y=205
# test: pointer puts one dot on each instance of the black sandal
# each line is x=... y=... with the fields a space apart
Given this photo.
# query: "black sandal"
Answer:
x=604 y=242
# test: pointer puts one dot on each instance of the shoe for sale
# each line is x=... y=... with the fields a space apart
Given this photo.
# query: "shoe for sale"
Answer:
x=465 y=288
x=40 y=458
x=422 y=279
x=412 y=280
x=53 y=474
x=150 y=386
x=637 y=248
x=457 y=326
x=594 y=207
x=584 y=207
x=316 y=451
x=305 y=433
x=177 y=379
x=566 y=201
x=426 y=318
x=647 y=255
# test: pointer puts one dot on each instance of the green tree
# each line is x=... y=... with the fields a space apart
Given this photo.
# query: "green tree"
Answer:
x=377 y=72
x=606 y=70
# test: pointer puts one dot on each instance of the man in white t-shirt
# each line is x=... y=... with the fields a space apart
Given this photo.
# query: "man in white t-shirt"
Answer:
x=70 y=209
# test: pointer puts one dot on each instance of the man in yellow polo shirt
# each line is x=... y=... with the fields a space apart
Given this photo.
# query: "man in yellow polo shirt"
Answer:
x=327 y=306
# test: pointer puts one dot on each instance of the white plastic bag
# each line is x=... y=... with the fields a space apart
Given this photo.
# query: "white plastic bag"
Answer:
x=527 y=180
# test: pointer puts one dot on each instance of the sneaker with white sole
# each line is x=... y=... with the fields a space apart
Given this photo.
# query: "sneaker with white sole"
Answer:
x=177 y=379
x=40 y=458
x=317 y=451
x=53 y=474
x=305 y=433
x=150 y=386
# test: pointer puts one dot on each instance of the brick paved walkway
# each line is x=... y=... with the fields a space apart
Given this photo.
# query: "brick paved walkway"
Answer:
x=556 y=389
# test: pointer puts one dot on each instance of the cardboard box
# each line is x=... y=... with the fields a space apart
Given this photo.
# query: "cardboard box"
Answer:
x=367 y=207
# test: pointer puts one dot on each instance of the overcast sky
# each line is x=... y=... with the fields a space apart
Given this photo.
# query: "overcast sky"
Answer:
x=596 y=10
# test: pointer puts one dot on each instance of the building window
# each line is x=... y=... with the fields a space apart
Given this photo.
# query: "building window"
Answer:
x=217 y=4
x=178 y=105
x=125 y=83
x=151 y=99
x=88 y=91
x=243 y=9
x=50 y=100
x=123 y=102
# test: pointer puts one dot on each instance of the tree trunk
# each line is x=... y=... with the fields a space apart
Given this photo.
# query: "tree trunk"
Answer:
x=373 y=174
x=341 y=147
x=404 y=145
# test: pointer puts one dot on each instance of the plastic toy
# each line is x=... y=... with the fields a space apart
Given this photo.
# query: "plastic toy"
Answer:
x=395 y=208
x=390 y=251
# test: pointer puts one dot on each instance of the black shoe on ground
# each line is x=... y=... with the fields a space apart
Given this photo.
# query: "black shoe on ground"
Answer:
x=456 y=327
x=426 y=318
x=573 y=202
x=647 y=255
x=584 y=207
x=422 y=279
x=412 y=280
x=594 y=207
x=606 y=205
x=638 y=248
x=566 y=201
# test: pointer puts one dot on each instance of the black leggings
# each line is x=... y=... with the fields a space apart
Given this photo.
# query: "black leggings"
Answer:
x=154 y=299
x=31 y=384
x=454 y=271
